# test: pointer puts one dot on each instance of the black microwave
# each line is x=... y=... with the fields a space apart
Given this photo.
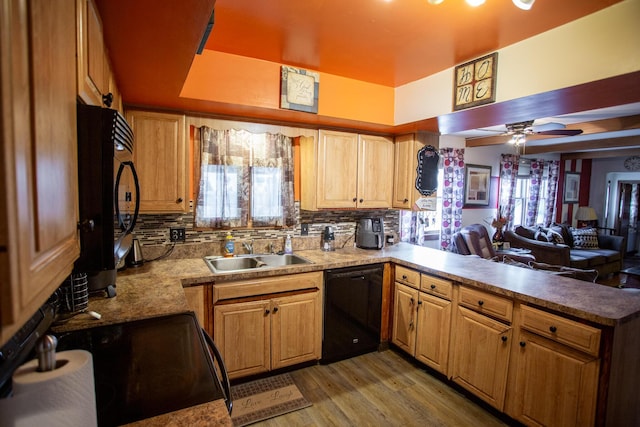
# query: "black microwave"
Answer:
x=109 y=194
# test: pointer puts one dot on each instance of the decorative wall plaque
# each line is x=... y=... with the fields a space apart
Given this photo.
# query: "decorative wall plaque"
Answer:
x=299 y=89
x=475 y=82
x=427 y=170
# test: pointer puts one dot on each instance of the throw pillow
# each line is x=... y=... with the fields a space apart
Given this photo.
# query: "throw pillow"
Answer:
x=585 y=238
x=541 y=235
x=564 y=230
x=555 y=237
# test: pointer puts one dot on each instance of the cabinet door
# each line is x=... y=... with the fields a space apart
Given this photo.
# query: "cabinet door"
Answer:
x=38 y=181
x=160 y=157
x=242 y=334
x=200 y=300
x=404 y=172
x=555 y=385
x=337 y=170
x=375 y=171
x=434 y=326
x=92 y=78
x=405 y=302
x=481 y=355
x=296 y=329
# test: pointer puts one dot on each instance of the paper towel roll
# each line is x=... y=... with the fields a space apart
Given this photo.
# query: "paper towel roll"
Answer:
x=62 y=397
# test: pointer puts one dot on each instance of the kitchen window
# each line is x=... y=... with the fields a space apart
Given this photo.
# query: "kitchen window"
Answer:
x=244 y=180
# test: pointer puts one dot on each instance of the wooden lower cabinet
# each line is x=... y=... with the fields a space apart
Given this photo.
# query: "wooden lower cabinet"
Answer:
x=258 y=336
x=555 y=370
x=481 y=355
x=421 y=326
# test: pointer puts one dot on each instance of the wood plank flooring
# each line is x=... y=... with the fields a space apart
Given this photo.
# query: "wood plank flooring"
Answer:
x=380 y=389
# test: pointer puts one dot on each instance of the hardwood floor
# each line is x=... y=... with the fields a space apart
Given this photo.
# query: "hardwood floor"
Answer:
x=380 y=389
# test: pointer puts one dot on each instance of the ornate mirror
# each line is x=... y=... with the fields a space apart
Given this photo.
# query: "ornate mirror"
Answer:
x=427 y=170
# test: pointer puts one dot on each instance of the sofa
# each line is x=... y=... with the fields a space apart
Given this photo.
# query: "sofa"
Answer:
x=563 y=245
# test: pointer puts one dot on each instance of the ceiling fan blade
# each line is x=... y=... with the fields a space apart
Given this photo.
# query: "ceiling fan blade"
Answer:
x=561 y=132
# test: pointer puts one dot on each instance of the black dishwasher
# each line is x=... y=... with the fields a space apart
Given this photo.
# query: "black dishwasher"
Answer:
x=352 y=311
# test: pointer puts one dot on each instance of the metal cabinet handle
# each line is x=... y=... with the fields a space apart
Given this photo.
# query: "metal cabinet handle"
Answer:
x=480 y=303
x=361 y=200
x=267 y=311
x=553 y=329
x=523 y=344
x=355 y=199
x=404 y=277
x=503 y=338
x=275 y=309
x=405 y=200
x=433 y=286
x=179 y=200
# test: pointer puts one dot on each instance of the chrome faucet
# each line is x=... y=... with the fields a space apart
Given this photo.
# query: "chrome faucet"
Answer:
x=248 y=246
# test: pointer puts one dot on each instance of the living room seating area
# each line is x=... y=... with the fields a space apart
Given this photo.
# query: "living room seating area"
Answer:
x=581 y=248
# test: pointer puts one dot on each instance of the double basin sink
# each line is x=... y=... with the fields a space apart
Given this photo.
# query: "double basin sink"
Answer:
x=219 y=264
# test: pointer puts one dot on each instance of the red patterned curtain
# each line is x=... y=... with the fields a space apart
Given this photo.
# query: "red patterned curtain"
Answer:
x=452 y=194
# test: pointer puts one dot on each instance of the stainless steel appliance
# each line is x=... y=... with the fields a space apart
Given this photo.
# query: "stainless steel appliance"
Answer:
x=108 y=194
x=352 y=311
x=370 y=233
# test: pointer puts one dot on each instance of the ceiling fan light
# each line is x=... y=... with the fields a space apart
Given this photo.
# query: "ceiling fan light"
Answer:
x=524 y=4
x=475 y=3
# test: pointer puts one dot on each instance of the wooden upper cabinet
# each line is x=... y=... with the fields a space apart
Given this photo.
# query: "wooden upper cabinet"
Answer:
x=375 y=171
x=93 y=80
x=406 y=149
x=337 y=156
x=160 y=158
x=346 y=171
x=39 y=181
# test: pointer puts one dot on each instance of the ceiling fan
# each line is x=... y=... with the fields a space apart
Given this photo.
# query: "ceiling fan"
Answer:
x=528 y=128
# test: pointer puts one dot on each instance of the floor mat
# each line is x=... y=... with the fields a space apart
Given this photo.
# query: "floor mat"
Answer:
x=265 y=398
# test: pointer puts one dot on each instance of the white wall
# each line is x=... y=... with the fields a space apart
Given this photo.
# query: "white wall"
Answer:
x=486 y=156
x=603 y=172
x=600 y=45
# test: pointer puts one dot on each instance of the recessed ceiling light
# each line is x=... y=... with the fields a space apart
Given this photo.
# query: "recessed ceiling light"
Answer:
x=475 y=3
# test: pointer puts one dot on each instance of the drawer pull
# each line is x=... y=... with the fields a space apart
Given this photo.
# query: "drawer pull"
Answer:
x=267 y=311
x=275 y=309
x=523 y=344
x=553 y=329
x=503 y=338
x=433 y=286
x=405 y=200
x=404 y=277
x=480 y=303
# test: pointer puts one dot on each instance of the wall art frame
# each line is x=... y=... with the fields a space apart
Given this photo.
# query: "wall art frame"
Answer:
x=475 y=82
x=299 y=89
x=477 y=185
x=571 y=189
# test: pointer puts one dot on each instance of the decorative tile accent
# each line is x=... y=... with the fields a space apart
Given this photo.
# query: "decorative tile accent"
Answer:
x=152 y=230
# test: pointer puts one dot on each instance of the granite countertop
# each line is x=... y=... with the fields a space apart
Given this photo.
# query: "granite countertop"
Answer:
x=156 y=289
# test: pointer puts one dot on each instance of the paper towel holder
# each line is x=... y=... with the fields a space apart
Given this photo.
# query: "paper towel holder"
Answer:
x=46 y=352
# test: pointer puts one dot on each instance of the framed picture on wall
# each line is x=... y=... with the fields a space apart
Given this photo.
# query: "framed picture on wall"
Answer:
x=477 y=185
x=571 y=192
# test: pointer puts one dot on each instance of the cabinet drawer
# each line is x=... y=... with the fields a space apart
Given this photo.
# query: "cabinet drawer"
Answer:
x=408 y=276
x=576 y=335
x=486 y=303
x=436 y=286
x=266 y=286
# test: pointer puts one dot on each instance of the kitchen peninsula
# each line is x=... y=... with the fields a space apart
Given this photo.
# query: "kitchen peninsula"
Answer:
x=157 y=288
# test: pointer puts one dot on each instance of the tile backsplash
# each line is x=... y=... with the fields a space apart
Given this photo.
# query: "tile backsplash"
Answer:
x=153 y=232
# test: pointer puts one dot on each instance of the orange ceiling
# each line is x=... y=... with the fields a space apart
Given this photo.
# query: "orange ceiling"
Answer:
x=152 y=44
x=385 y=42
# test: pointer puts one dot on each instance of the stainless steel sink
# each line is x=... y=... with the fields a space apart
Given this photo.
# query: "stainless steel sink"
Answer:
x=219 y=264
x=282 y=260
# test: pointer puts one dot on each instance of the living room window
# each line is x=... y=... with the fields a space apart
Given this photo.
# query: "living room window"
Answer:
x=522 y=197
